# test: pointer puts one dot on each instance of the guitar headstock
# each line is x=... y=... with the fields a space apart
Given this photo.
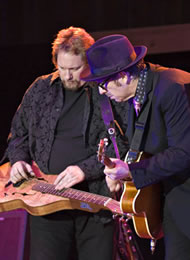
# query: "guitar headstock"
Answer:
x=101 y=150
x=101 y=154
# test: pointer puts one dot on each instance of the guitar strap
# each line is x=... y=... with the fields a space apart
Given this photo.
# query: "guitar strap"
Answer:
x=107 y=115
x=140 y=124
x=108 y=118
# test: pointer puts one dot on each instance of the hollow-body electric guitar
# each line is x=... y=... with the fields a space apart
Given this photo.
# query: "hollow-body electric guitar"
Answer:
x=143 y=205
x=39 y=197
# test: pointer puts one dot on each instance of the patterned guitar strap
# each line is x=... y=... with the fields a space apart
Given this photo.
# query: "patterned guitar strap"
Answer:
x=125 y=245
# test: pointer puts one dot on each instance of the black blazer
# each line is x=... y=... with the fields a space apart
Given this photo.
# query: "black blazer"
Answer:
x=167 y=137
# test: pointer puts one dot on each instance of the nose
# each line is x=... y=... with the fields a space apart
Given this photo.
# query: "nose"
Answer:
x=68 y=74
x=102 y=91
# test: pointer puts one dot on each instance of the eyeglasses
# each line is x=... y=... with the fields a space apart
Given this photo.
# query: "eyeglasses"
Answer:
x=103 y=85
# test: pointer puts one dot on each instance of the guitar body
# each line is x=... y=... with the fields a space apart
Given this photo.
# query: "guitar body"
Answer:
x=145 y=208
x=38 y=197
x=35 y=203
x=144 y=205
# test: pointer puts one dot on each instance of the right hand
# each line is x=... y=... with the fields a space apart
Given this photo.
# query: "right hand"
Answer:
x=20 y=170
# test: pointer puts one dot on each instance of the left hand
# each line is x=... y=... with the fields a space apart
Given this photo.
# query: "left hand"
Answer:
x=119 y=172
x=69 y=177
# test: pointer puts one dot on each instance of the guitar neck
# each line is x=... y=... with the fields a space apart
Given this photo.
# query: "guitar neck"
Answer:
x=106 y=161
x=102 y=157
x=87 y=197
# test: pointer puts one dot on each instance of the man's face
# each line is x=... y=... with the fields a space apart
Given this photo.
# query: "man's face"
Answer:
x=120 y=89
x=70 y=67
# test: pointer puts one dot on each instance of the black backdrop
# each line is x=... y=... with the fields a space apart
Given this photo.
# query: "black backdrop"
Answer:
x=27 y=29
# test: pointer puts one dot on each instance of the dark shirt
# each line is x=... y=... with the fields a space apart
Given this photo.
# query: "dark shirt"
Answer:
x=68 y=147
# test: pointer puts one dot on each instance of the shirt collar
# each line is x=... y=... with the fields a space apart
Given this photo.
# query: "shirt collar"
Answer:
x=55 y=77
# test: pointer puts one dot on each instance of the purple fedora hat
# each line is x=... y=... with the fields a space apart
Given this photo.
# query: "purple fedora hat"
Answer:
x=110 y=55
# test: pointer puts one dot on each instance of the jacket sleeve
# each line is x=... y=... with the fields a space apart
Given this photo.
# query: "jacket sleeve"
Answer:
x=18 y=140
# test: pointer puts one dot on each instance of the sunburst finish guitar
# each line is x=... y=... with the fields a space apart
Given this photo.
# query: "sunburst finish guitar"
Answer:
x=39 y=197
x=144 y=205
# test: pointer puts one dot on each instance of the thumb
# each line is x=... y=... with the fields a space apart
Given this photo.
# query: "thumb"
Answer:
x=29 y=170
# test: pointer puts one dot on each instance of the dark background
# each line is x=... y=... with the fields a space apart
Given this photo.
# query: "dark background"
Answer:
x=27 y=28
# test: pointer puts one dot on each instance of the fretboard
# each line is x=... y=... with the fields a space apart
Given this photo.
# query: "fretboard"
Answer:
x=79 y=195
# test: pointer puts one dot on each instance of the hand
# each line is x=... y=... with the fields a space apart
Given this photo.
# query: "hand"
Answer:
x=20 y=170
x=113 y=185
x=119 y=172
x=69 y=177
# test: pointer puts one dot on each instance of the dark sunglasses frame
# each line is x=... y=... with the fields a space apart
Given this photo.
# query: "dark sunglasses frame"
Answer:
x=102 y=84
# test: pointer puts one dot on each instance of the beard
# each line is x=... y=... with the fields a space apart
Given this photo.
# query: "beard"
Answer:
x=73 y=85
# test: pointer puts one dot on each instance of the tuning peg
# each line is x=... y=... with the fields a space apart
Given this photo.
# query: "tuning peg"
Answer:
x=106 y=141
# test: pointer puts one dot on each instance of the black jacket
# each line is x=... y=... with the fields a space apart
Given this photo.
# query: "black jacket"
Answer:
x=167 y=138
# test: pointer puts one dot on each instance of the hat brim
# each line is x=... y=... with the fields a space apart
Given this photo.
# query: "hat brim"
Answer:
x=86 y=75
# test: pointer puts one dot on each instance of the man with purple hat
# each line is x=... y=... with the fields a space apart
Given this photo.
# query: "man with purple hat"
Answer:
x=123 y=76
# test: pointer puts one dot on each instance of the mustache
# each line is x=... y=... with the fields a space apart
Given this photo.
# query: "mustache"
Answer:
x=72 y=85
